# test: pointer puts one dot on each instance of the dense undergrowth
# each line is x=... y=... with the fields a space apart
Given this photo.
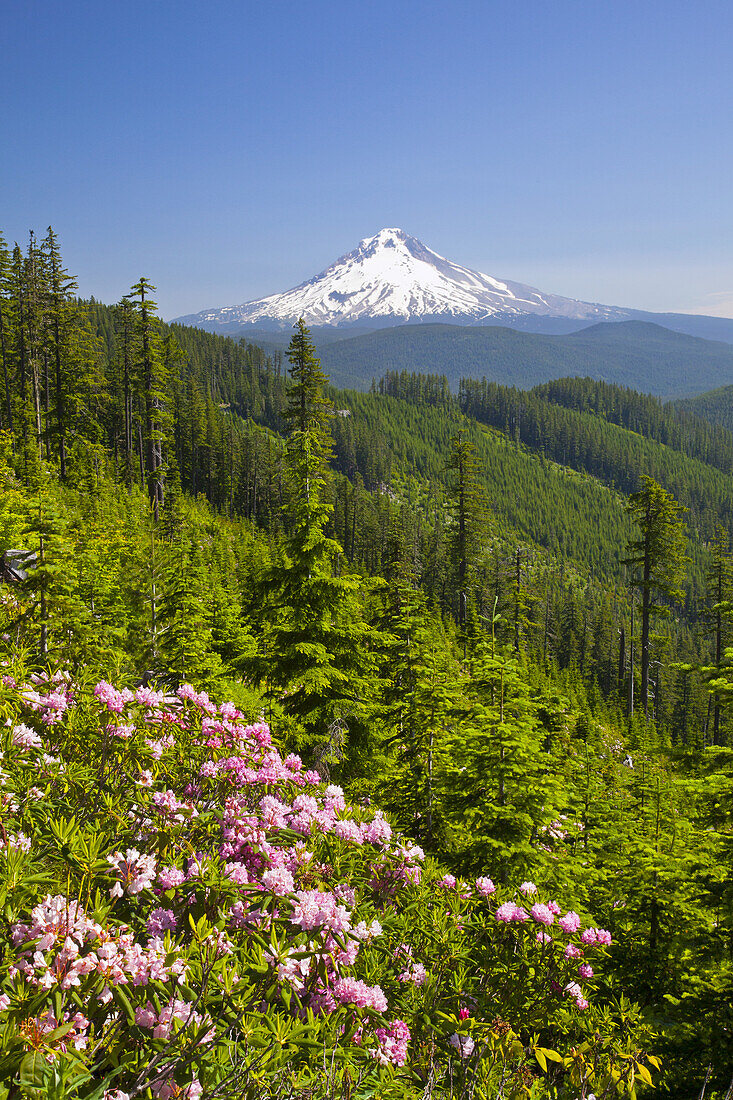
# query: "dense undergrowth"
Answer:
x=187 y=913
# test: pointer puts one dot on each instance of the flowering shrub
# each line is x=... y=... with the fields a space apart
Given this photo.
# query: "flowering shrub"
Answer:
x=188 y=914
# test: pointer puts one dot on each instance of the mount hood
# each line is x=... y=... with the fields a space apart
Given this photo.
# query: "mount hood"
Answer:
x=393 y=278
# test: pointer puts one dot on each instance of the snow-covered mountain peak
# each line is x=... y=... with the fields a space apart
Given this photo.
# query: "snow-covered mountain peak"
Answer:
x=393 y=278
x=386 y=238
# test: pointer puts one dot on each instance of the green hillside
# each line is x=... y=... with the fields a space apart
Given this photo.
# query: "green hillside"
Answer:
x=615 y=455
x=715 y=406
x=635 y=354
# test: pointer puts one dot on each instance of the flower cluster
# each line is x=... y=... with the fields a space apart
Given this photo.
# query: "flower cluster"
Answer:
x=231 y=871
x=392 y=1041
x=49 y=697
x=65 y=945
x=134 y=871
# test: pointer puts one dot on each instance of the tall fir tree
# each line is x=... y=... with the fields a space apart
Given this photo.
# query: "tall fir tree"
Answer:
x=318 y=655
x=152 y=382
x=60 y=319
x=657 y=559
x=6 y=306
x=720 y=610
x=470 y=519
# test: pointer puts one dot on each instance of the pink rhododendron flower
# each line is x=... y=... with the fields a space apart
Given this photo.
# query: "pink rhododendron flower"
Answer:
x=147 y=697
x=464 y=1044
x=275 y=813
x=289 y=969
x=334 y=798
x=485 y=887
x=543 y=914
x=135 y=871
x=146 y=1017
x=170 y=877
x=161 y=920
x=76 y=1036
x=585 y=970
x=176 y=1014
x=377 y=831
x=570 y=923
x=505 y=912
x=170 y=806
x=352 y=991
x=17 y=841
x=123 y=731
x=393 y=1042
x=366 y=932
x=110 y=696
x=318 y=909
x=414 y=973
x=528 y=889
x=279 y=880
x=25 y=738
x=346 y=829
x=345 y=893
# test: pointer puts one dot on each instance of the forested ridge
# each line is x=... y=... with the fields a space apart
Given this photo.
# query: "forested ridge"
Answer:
x=487 y=613
x=638 y=354
x=716 y=406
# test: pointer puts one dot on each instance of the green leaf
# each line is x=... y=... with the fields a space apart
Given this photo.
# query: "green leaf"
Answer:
x=120 y=998
x=34 y=1070
x=644 y=1073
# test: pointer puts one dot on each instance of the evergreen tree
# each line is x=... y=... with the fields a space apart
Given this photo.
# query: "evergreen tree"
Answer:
x=318 y=655
x=6 y=304
x=470 y=519
x=185 y=644
x=59 y=320
x=657 y=558
x=501 y=789
x=124 y=378
x=422 y=705
x=308 y=411
x=720 y=597
x=62 y=624
x=151 y=380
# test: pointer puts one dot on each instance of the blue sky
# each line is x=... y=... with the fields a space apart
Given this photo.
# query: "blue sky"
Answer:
x=231 y=149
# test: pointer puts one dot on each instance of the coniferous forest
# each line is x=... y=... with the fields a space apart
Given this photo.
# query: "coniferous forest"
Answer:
x=356 y=744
